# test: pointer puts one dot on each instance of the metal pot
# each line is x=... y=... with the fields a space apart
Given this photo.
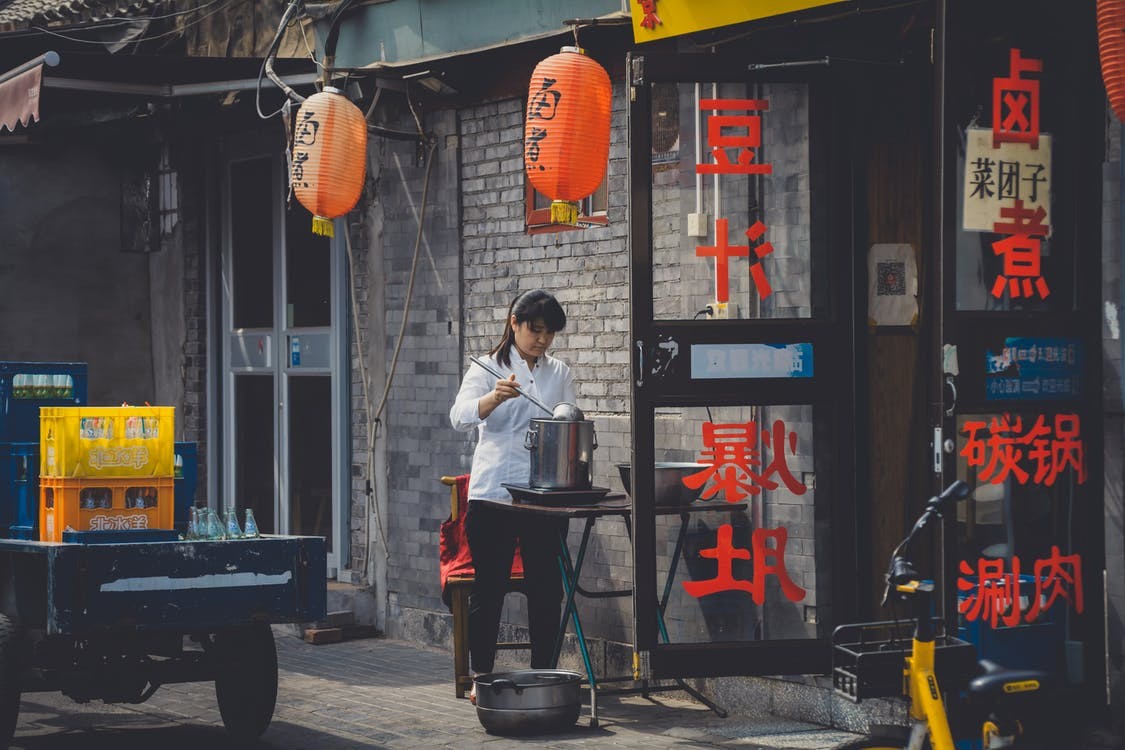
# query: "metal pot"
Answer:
x=528 y=701
x=562 y=453
x=670 y=487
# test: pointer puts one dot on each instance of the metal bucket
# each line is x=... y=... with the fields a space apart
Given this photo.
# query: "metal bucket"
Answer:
x=562 y=453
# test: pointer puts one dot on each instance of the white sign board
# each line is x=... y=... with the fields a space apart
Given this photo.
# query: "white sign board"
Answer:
x=997 y=176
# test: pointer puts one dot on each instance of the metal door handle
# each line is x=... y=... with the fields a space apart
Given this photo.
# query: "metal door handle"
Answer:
x=951 y=382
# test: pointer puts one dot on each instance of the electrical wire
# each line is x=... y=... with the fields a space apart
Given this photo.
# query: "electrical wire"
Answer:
x=267 y=66
x=118 y=22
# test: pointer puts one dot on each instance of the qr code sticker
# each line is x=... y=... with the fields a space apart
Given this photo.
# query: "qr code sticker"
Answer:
x=891 y=275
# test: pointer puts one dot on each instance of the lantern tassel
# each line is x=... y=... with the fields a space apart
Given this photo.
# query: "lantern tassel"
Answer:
x=323 y=226
x=564 y=212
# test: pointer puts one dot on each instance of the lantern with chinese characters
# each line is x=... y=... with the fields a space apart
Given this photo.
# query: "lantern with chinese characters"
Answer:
x=1111 y=49
x=566 y=135
x=329 y=157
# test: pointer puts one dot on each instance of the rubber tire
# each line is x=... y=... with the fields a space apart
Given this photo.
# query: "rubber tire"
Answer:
x=9 y=679
x=246 y=682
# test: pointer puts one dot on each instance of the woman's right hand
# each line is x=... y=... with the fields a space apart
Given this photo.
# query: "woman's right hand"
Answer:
x=504 y=390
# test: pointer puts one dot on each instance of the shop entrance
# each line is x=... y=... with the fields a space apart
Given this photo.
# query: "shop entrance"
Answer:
x=741 y=277
x=283 y=395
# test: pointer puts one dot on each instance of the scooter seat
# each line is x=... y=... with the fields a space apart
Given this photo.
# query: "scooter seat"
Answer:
x=997 y=680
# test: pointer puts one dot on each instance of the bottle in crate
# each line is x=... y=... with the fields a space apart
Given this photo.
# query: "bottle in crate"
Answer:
x=89 y=441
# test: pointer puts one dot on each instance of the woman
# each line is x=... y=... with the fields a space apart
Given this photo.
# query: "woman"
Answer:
x=501 y=417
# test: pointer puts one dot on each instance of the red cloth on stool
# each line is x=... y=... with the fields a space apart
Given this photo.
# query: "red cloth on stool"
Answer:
x=456 y=560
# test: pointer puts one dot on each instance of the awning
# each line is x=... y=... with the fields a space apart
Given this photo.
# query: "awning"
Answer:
x=23 y=87
x=19 y=92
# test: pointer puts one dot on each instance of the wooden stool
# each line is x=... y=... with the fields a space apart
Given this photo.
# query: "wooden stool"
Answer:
x=458 y=588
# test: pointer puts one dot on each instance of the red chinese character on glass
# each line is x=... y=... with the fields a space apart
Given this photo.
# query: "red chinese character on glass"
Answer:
x=1067 y=448
x=766 y=561
x=996 y=593
x=1058 y=575
x=1015 y=103
x=721 y=251
x=650 y=20
x=1000 y=449
x=1021 y=251
x=757 y=271
x=733 y=457
x=744 y=144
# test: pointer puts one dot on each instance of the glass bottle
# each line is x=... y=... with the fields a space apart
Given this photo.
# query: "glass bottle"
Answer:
x=232 y=529
x=215 y=528
x=193 y=516
x=250 y=528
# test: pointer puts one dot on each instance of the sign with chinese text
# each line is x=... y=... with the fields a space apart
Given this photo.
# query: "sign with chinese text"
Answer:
x=1034 y=368
x=734 y=135
x=1007 y=447
x=737 y=467
x=720 y=361
x=659 y=19
x=994 y=591
x=995 y=176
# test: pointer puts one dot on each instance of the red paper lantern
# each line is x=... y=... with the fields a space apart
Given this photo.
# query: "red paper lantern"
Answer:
x=1111 y=47
x=566 y=134
x=329 y=157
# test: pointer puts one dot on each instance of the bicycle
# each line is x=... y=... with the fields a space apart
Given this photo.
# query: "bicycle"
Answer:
x=874 y=659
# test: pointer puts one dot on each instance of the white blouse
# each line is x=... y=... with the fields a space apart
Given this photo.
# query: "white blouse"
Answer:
x=500 y=456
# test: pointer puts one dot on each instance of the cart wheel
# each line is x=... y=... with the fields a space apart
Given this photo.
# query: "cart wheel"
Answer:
x=9 y=680
x=246 y=681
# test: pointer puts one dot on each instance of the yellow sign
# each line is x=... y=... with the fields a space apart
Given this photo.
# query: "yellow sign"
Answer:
x=659 y=19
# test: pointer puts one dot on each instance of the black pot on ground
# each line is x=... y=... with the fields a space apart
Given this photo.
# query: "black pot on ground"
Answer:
x=528 y=701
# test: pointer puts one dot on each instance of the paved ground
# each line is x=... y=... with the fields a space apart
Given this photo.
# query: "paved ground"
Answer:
x=378 y=693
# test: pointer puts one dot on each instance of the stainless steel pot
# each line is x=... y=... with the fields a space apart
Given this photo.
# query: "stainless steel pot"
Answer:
x=562 y=453
x=528 y=701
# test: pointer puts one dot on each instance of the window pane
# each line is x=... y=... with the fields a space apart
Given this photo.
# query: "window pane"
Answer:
x=752 y=563
x=738 y=228
x=307 y=273
x=310 y=456
x=251 y=204
x=254 y=442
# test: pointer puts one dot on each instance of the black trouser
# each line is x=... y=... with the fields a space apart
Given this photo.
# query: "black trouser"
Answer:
x=493 y=534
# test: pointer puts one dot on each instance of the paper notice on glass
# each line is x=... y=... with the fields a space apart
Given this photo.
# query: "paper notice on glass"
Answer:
x=996 y=176
x=892 y=285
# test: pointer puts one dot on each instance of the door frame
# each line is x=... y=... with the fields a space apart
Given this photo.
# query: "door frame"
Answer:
x=830 y=391
x=223 y=460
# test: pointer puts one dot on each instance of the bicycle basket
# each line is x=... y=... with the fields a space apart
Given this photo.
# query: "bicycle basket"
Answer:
x=868 y=658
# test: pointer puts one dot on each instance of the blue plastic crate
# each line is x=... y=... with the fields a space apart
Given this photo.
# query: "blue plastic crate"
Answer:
x=19 y=490
x=127 y=536
x=1029 y=645
x=187 y=479
x=25 y=386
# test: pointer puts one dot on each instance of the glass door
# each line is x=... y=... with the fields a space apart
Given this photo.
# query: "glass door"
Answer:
x=741 y=282
x=1021 y=335
x=281 y=357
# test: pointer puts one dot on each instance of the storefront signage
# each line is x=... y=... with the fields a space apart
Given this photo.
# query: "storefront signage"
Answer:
x=722 y=361
x=734 y=152
x=1003 y=449
x=734 y=456
x=766 y=561
x=659 y=19
x=1033 y=369
x=1007 y=186
x=990 y=593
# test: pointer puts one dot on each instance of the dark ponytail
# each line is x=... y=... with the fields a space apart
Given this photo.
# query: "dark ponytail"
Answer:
x=529 y=306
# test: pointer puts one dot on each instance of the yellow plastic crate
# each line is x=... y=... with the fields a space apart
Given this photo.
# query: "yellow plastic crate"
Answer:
x=106 y=504
x=106 y=441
